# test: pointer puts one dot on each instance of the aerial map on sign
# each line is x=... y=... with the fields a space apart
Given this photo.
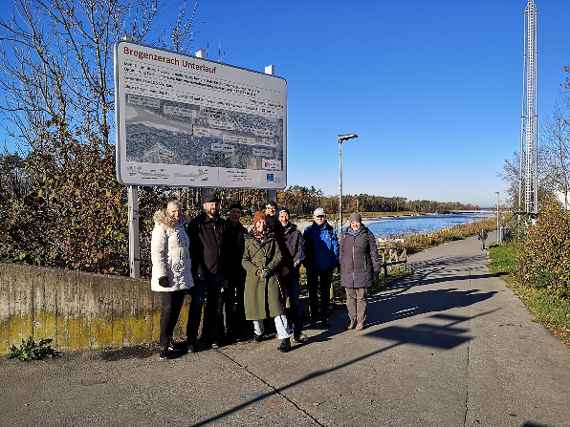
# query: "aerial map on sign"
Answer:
x=187 y=121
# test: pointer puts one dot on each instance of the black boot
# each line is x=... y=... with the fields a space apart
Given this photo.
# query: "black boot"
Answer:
x=170 y=352
x=285 y=345
x=300 y=338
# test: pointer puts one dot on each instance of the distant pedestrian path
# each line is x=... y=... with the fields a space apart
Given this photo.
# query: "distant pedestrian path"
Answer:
x=448 y=346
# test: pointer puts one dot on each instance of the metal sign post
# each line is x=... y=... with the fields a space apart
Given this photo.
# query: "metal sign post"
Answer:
x=271 y=194
x=134 y=243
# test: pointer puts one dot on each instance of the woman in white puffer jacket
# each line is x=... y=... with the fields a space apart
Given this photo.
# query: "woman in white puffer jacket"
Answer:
x=171 y=271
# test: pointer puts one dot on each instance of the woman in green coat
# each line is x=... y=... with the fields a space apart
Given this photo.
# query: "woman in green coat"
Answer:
x=263 y=296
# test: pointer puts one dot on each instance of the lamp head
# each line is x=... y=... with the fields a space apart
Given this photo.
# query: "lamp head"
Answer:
x=346 y=137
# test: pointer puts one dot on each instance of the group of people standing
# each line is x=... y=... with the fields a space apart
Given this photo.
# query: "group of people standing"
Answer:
x=237 y=279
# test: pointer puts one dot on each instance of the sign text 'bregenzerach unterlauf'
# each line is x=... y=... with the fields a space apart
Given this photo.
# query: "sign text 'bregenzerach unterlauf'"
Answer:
x=186 y=121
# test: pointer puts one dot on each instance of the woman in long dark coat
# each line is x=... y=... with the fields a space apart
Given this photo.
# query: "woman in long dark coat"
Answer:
x=263 y=297
x=359 y=265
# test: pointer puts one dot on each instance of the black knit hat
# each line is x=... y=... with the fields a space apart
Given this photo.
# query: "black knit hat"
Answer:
x=211 y=199
x=209 y=196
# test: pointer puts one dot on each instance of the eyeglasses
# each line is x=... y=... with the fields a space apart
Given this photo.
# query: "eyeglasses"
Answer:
x=319 y=216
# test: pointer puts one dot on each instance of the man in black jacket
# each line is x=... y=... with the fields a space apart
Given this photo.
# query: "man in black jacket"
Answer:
x=293 y=255
x=273 y=224
x=234 y=312
x=207 y=245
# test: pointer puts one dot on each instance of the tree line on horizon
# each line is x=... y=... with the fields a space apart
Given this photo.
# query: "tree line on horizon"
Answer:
x=302 y=200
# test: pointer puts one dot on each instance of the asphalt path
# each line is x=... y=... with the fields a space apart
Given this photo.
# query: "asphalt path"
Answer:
x=448 y=346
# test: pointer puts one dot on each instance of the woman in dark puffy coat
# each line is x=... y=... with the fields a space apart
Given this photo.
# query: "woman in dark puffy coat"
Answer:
x=359 y=265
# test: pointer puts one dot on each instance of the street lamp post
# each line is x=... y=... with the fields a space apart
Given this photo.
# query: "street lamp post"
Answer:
x=341 y=140
x=498 y=224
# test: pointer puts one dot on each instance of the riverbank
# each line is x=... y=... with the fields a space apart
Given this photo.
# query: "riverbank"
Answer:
x=418 y=242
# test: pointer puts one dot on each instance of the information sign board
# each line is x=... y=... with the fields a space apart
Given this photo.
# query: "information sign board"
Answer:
x=187 y=121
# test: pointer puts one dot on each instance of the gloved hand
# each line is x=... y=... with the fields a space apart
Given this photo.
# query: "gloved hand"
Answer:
x=262 y=272
x=164 y=282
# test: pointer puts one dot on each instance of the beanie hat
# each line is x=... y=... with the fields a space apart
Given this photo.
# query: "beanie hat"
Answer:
x=355 y=217
x=284 y=210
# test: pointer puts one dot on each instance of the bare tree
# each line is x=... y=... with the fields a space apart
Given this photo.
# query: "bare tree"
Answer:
x=56 y=62
x=557 y=139
x=61 y=205
x=182 y=33
x=510 y=174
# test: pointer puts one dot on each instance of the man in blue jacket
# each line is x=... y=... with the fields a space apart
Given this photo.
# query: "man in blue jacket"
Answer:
x=321 y=258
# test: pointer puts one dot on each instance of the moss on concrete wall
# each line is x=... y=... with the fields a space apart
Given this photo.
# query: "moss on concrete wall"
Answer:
x=77 y=310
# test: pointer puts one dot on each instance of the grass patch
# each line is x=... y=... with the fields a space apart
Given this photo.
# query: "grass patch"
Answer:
x=503 y=258
x=549 y=310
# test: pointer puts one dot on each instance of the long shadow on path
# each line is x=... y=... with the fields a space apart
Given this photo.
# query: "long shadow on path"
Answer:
x=435 y=336
x=404 y=305
x=398 y=304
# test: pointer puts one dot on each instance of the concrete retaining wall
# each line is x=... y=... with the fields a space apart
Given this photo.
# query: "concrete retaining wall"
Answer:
x=77 y=310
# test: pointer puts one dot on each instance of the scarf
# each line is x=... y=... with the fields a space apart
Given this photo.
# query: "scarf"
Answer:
x=257 y=235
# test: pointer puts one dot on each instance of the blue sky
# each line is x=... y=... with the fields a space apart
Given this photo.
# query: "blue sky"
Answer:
x=432 y=88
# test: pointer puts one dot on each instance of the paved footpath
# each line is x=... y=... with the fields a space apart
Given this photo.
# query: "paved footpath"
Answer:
x=450 y=346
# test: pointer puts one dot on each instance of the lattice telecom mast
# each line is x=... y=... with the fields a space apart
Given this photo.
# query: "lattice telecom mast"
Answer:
x=528 y=167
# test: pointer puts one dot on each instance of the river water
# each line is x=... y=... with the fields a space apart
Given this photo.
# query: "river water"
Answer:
x=390 y=227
